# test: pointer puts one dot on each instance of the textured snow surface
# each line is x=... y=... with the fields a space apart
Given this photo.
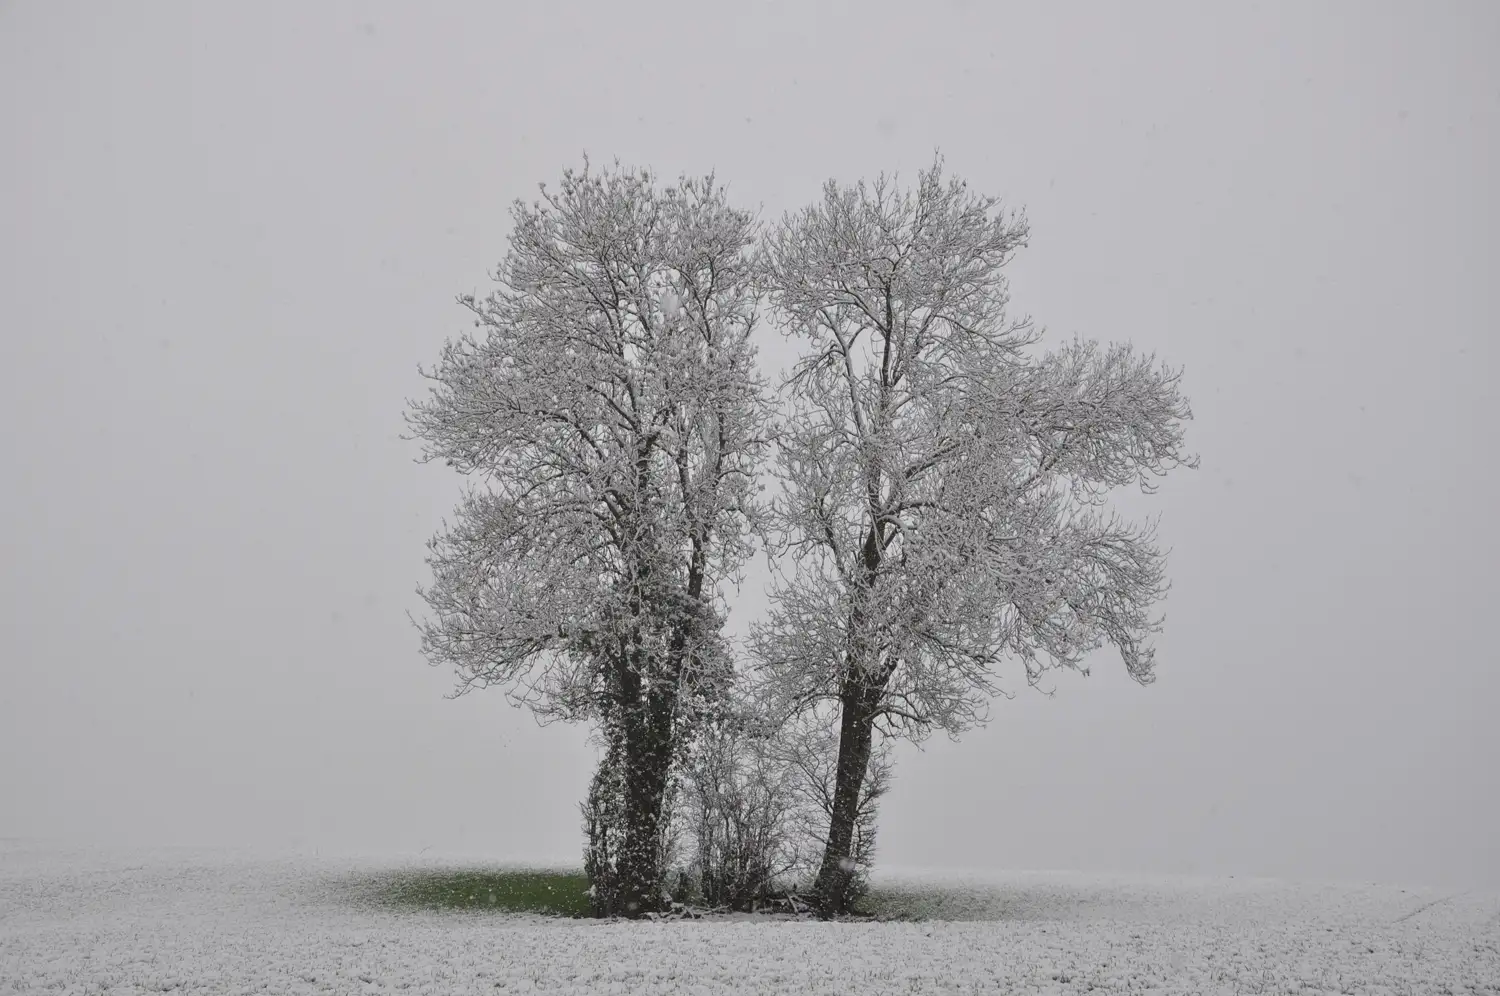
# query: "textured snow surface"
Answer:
x=215 y=922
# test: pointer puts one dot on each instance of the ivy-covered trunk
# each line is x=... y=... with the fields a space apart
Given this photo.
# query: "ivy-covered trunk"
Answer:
x=624 y=820
x=654 y=697
x=642 y=874
x=603 y=823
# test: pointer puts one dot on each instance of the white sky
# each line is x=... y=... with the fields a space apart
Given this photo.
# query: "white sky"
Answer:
x=229 y=234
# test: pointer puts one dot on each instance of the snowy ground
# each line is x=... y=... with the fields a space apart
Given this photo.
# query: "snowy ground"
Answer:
x=217 y=922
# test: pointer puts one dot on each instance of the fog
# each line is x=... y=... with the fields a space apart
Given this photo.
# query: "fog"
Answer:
x=230 y=233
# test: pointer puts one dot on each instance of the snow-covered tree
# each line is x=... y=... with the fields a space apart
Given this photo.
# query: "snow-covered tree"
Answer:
x=941 y=509
x=609 y=414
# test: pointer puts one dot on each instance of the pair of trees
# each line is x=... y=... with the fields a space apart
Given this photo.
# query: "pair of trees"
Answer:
x=937 y=510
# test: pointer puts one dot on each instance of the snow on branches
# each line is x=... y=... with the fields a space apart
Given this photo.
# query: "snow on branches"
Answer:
x=940 y=482
x=610 y=414
x=941 y=511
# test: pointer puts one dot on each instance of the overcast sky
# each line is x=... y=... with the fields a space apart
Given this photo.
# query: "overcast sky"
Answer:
x=230 y=233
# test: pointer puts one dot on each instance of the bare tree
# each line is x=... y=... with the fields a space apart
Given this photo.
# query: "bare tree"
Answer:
x=940 y=509
x=738 y=807
x=610 y=414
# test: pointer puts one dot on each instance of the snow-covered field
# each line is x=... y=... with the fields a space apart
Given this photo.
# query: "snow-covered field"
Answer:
x=216 y=922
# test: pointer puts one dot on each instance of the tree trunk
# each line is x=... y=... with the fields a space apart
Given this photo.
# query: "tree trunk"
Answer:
x=649 y=761
x=834 y=888
x=648 y=732
x=858 y=699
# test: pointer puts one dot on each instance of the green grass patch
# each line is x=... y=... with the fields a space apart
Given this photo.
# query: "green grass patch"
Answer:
x=565 y=894
x=554 y=893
